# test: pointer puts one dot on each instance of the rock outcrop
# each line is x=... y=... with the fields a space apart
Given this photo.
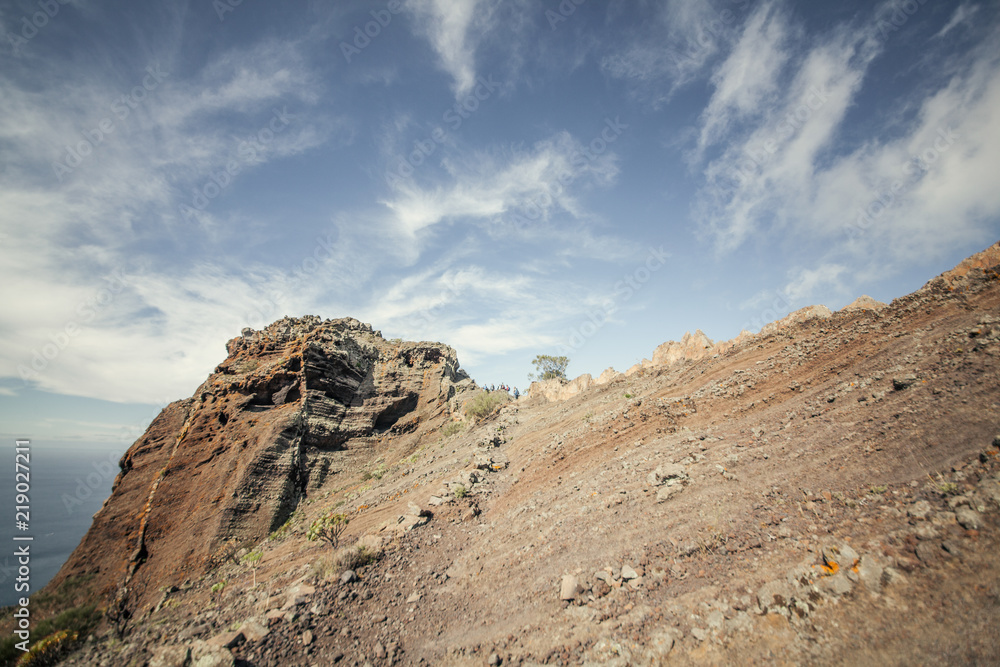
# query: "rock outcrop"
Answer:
x=691 y=347
x=560 y=390
x=979 y=268
x=291 y=405
x=865 y=302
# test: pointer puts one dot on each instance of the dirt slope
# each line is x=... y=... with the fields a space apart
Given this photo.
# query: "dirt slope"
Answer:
x=827 y=493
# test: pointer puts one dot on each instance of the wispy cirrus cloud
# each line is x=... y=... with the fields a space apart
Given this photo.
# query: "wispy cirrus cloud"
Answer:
x=672 y=49
x=453 y=29
x=862 y=205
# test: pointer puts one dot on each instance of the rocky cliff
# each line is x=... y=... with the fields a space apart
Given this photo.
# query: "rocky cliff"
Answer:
x=292 y=405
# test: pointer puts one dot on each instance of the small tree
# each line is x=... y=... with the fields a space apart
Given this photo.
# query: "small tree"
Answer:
x=329 y=528
x=252 y=561
x=549 y=367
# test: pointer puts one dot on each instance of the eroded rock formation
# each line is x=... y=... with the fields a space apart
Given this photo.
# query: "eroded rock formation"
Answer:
x=290 y=406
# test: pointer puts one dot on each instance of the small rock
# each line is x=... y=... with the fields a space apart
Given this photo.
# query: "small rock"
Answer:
x=570 y=588
x=928 y=552
x=870 y=573
x=348 y=577
x=716 y=619
x=774 y=594
x=380 y=653
x=416 y=510
x=699 y=633
x=629 y=573
x=668 y=492
x=307 y=637
x=968 y=518
x=204 y=654
x=227 y=639
x=494 y=660
x=170 y=656
x=892 y=576
x=254 y=630
x=836 y=585
x=904 y=382
x=414 y=597
x=919 y=510
x=435 y=501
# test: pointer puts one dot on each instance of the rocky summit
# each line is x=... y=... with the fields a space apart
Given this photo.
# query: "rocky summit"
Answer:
x=293 y=405
x=826 y=491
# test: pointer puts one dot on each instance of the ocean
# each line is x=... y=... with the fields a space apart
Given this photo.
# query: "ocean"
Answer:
x=68 y=484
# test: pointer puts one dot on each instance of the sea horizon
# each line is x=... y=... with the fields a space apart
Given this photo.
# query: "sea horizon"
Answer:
x=69 y=483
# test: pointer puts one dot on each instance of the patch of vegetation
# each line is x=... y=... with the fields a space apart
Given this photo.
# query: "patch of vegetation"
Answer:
x=628 y=395
x=485 y=403
x=328 y=528
x=252 y=560
x=460 y=491
x=878 y=490
x=549 y=367
x=58 y=635
x=948 y=489
x=345 y=558
x=218 y=587
x=282 y=531
x=67 y=594
x=451 y=429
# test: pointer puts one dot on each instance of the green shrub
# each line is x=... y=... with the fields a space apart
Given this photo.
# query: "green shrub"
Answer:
x=485 y=403
x=549 y=367
x=460 y=491
x=49 y=650
x=328 y=528
x=345 y=558
x=58 y=635
x=451 y=429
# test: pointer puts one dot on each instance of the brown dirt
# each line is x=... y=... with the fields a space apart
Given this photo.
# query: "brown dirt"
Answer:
x=828 y=432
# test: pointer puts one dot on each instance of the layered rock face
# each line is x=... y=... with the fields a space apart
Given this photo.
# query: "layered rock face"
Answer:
x=291 y=405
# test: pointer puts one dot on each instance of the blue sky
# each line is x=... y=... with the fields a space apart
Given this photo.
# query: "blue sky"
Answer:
x=512 y=178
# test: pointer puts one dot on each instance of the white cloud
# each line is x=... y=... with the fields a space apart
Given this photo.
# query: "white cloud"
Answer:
x=806 y=282
x=962 y=15
x=771 y=167
x=120 y=199
x=898 y=195
x=674 y=50
x=525 y=187
x=451 y=28
x=746 y=83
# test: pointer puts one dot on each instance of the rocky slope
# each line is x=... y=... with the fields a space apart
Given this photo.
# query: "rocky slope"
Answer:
x=825 y=492
x=292 y=407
